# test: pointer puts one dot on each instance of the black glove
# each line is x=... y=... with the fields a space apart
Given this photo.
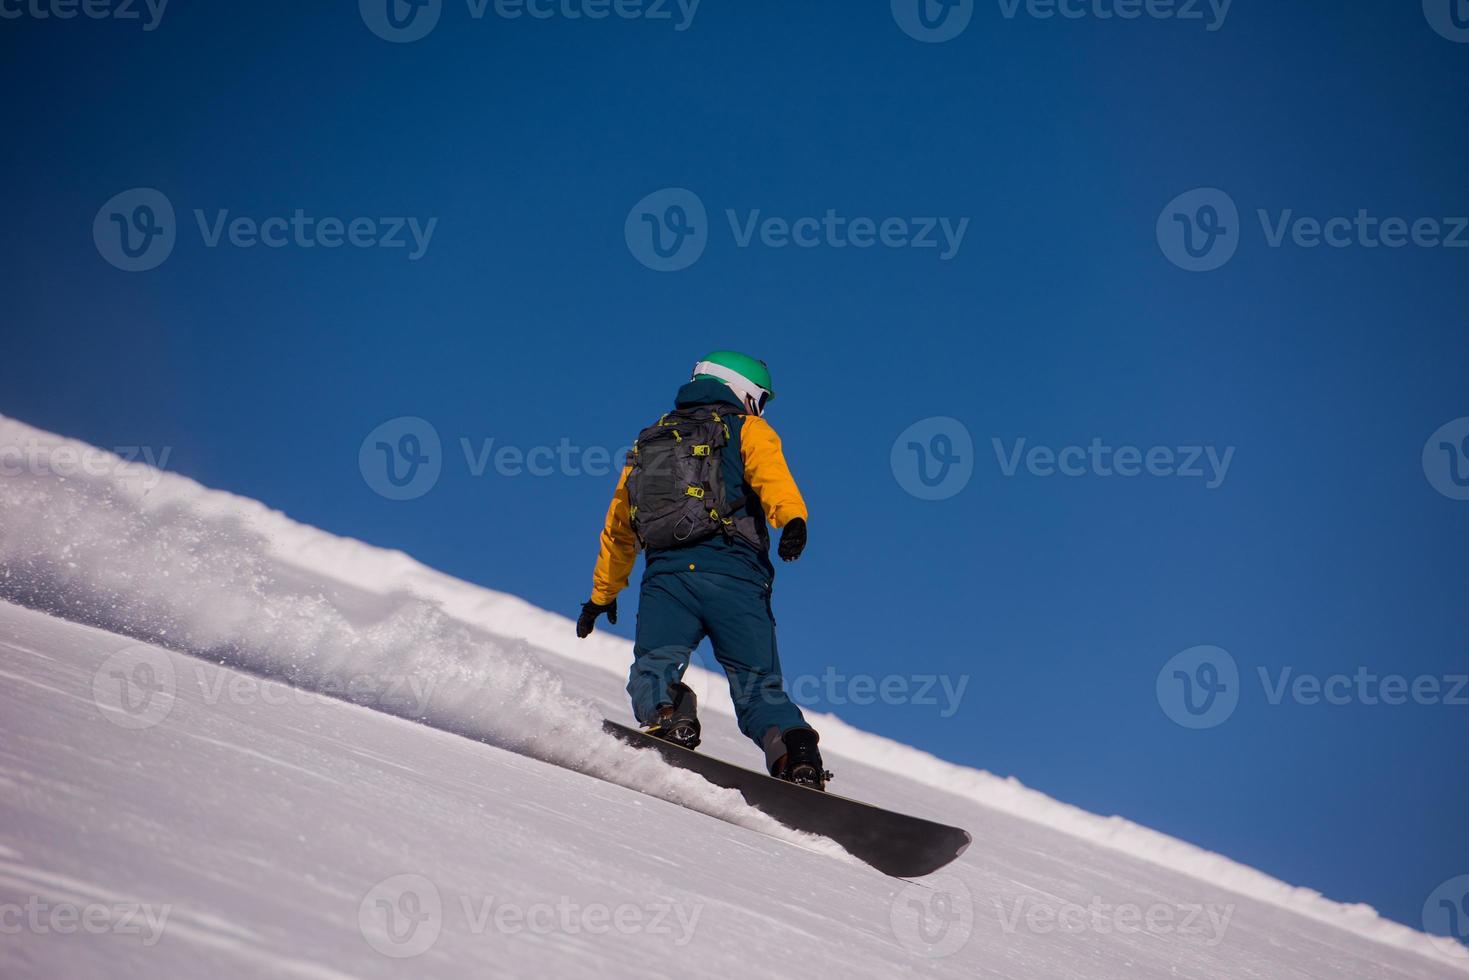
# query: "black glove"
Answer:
x=589 y=613
x=792 y=540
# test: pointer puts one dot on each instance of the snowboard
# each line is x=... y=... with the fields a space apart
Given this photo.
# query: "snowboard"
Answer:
x=893 y=843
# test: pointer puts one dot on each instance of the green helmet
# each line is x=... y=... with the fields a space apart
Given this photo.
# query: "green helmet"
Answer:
x=747 y=377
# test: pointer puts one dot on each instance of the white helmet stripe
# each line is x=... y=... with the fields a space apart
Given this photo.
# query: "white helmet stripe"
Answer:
x=748 y=391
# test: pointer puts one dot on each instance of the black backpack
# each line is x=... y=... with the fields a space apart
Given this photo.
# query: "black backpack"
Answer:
x=675 y=491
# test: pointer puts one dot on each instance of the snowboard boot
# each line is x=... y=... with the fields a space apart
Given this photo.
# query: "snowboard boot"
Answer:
x=801 y=763
x=677 y=722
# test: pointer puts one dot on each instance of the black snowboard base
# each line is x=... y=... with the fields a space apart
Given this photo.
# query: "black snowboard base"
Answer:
x=893 y=843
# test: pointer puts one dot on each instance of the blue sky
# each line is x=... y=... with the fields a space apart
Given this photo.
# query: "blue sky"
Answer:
x=1083 y=158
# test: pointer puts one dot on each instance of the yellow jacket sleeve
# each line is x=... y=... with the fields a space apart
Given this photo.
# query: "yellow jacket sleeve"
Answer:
x=767 y=472
x=619 y=552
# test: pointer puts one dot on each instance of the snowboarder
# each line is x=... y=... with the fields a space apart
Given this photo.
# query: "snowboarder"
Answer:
x=696 y=494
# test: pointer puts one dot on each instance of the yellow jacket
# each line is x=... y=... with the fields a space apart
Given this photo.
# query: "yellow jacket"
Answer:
x=766 y=471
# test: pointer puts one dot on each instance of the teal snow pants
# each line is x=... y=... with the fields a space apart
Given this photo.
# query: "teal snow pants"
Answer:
x=676 y=610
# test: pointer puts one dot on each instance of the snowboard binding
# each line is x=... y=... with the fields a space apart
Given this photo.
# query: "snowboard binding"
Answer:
x=680 y=731
x=801 y=763
x=677 y=722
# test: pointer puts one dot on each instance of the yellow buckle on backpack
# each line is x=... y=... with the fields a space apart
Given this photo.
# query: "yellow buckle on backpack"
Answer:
x=701 y=450
x=693 y=491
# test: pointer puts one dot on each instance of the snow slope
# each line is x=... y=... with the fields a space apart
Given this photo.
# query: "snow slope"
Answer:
x=175 y=801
